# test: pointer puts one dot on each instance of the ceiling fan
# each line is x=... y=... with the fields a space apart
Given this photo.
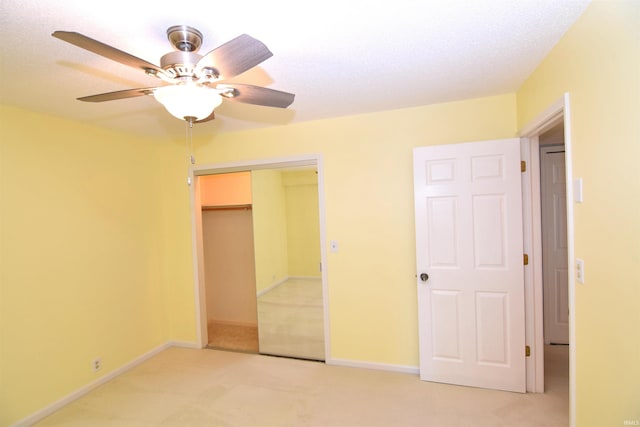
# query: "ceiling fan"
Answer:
x=194 y=82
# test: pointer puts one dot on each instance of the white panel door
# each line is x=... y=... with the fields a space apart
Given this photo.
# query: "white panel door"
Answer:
x=468 y=207
x=555 y=274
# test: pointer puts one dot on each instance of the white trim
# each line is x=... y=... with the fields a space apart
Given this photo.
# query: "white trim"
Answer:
x=535 y=303
x=323 y=258
x=196 y=227
x=271 y=287
x=258 y=164
x=282 y=281
x=414 y=370
x=554 y=114
x=549 y=118
x=532 y=273
x=537 y=309
x=568 y=153
x=59 y=404
x=184 y=344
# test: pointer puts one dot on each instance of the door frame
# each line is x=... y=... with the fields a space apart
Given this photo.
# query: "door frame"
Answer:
x=556 y=113
x=196 y=230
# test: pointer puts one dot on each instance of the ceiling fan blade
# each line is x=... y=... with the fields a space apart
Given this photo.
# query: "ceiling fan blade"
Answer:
x=121 y=94
x=234 y=57
x=107 y=51
x=258 y=95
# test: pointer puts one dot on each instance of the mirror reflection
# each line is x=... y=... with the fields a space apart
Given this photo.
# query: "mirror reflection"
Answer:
x=287 y=262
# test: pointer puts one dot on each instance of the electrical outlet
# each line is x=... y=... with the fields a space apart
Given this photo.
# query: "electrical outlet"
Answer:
x=97 y=364
x=580 y=270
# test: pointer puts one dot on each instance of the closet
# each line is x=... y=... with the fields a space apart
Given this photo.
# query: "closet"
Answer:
x=262 y=269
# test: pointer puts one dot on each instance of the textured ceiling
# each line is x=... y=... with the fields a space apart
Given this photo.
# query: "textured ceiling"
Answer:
x=338 y=57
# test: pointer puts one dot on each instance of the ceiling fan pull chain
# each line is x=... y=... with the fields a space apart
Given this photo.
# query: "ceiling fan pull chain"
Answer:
x=191 y=160
x=192 y=157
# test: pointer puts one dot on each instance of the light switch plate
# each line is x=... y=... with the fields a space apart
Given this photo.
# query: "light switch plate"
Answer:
x=577 y=190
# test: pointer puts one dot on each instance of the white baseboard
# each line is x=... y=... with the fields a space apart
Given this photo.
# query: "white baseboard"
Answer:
x=50 y=409
x=183 y=344
x=280 y=282
x=373 y=365
x=314 y=278
x=271 y=287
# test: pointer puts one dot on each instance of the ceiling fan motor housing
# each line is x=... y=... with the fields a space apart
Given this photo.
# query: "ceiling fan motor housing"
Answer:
x=184 y=38
x=180 y=64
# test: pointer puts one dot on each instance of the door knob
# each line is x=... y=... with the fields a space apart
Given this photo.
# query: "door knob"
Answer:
x=424 y=277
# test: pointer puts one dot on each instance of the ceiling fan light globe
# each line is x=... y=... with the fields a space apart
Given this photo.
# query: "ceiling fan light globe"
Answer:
x=183 y=101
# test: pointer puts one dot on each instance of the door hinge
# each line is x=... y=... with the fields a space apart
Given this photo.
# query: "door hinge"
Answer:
x=523 y=166
x=526 y=259
x=527 y=351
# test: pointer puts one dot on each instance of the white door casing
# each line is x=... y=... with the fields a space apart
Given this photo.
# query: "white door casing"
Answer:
x=554 y=245
x=468 y=208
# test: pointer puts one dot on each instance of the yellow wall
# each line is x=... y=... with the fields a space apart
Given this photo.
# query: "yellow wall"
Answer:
x=303 y=222
x=177 y=250
x=81 y=256
x=598 y=63
x=369 y=209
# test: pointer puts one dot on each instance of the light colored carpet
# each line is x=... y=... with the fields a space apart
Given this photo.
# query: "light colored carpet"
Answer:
x=233 y=337
x=183 y=387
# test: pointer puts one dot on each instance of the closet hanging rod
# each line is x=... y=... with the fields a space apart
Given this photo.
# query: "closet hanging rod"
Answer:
x=226 y=207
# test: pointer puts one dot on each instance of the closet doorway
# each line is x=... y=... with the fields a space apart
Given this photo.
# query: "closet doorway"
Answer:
x=227 y=239
x=260 y=282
